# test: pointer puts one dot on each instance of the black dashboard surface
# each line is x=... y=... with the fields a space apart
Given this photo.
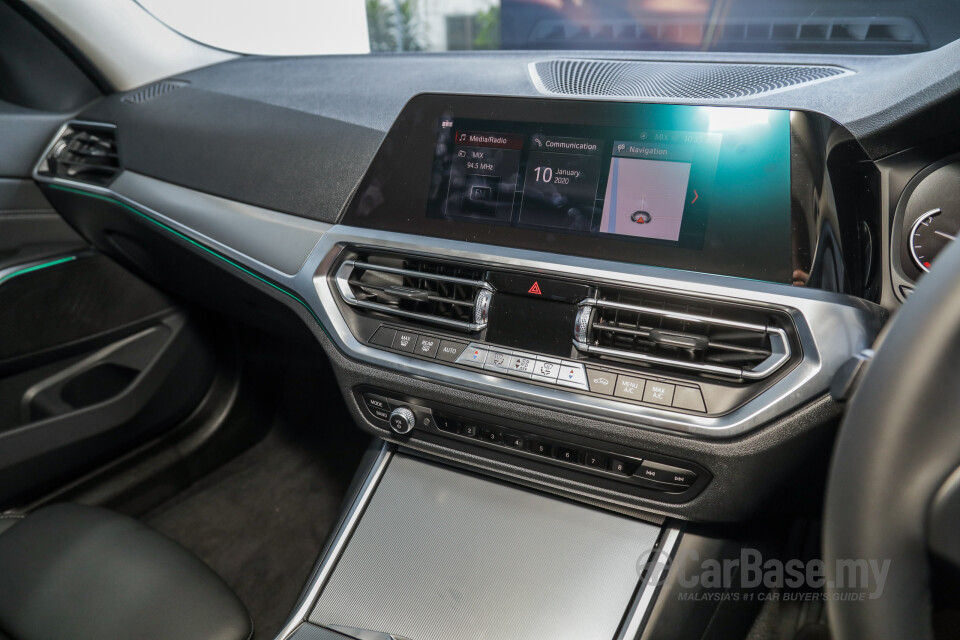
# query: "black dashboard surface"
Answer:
x=296 y=134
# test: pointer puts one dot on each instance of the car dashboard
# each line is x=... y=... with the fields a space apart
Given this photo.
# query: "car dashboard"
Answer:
x=638 y=301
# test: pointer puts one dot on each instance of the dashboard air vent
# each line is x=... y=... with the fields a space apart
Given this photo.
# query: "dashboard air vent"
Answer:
x=83 y=152
x=448 y=294
x=699 y=336
x=694 y=80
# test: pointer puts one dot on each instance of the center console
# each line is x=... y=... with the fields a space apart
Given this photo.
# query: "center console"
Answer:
x=428 y=552
x=665 y=268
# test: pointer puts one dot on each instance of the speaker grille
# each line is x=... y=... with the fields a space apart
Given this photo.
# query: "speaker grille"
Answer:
x=692 y=80
x=154 y=90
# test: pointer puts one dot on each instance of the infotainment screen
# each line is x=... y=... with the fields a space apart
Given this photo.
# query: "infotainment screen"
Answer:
x=647 y=183
x=717 y=190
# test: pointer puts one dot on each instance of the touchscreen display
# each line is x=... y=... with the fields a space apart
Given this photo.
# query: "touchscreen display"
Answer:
x=650 y=183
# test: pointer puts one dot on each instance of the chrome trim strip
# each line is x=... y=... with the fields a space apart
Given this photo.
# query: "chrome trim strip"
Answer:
x=779 y=354
x=338 y=542
x=672 y=315
x=346 y=292
x=831 y=327
x=651 y=586
x=645 y=357
x=366 y=266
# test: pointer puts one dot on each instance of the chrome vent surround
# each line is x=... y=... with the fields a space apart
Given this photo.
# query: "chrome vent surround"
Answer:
x=83 y=152
x=693 y=80
x=698 y=336
x=447 y=294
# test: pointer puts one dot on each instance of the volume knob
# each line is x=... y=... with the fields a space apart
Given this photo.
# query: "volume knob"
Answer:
x=402 y=420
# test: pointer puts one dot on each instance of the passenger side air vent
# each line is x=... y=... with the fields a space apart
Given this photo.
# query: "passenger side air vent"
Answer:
x=441 y=293
x=83 y=152
x=699 y=336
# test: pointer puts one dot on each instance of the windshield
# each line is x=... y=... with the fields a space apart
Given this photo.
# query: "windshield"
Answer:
x=306 y=27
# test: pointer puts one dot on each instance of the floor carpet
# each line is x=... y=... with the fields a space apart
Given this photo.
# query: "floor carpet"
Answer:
x=260 y=520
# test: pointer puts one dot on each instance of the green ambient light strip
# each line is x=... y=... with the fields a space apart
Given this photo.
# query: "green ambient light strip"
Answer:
x=196 y=244
x=36 y=267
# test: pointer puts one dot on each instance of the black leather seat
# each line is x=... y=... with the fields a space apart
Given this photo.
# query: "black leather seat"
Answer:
x=69 y=572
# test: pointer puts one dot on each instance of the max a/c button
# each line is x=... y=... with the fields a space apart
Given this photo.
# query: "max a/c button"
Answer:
x=658 y=393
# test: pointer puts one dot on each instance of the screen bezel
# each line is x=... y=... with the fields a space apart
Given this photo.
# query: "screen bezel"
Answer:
x=394 y=193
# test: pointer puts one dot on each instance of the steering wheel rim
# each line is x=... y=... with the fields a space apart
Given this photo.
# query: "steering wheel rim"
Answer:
x=892 y=493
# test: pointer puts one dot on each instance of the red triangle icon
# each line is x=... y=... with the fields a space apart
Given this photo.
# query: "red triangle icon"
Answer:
x=535 y=289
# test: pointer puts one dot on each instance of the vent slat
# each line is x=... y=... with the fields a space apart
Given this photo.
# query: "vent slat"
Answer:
x=429 y=291
x=84 y=152
x=658 y=330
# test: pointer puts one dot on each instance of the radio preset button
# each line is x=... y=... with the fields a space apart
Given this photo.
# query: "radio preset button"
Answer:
x=572 y=375
x=659 y=393
x=601 y=381
x=473 y=356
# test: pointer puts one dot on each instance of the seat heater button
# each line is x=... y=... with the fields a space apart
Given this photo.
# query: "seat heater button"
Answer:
x=659 y=393
x=449 y=350
x=498 y=360
x=405 y=341
x=572 y=375
x=601 y=381
x=546 y=370
x=473 y=356
x=630 y=388
x=689 y=398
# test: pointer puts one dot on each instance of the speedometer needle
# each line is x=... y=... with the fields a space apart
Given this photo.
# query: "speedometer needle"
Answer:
x=945 y=235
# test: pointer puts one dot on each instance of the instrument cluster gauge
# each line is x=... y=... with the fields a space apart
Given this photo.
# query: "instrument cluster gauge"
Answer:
x=931 y=234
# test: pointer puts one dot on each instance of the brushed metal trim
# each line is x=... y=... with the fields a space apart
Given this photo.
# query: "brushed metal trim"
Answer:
x=637 y=617
x=337 y=544
x=831 y=327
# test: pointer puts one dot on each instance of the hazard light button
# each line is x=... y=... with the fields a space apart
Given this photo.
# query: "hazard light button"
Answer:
x=538 y=287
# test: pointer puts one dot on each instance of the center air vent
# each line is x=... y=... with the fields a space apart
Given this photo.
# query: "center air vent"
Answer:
x=700 y=336
x=440 y=293
x=84 y=152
